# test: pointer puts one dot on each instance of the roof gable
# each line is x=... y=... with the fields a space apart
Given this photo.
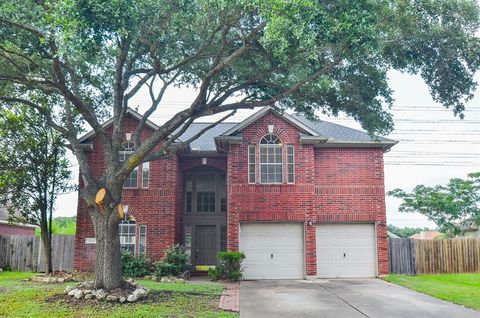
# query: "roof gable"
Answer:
x=109 y=122
x=251 y=119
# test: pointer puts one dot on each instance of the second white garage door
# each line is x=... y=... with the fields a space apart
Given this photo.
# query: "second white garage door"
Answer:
x=346 y=250
x=272 y=250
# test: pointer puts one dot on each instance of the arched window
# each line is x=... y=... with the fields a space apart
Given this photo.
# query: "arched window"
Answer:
x=128 y=148
x=271 y=159
x=127 y=231
x=132 y=179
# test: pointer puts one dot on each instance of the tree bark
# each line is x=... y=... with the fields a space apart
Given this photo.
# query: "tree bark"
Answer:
x=108 y=269
x=47 y=246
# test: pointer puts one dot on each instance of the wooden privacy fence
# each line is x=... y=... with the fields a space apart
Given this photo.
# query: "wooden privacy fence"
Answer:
x=412 y=257
x=26 y=253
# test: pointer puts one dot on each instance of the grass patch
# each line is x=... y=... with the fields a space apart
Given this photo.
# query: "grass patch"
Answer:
x=19 y=298
x=462 y=289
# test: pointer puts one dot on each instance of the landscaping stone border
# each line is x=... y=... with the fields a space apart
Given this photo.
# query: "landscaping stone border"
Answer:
x=131 y=293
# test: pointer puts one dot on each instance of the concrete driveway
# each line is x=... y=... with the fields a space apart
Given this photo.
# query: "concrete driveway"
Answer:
x=341 y=298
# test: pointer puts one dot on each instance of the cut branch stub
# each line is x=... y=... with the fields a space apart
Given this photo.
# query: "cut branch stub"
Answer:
x=121 y=213
x=100 y=200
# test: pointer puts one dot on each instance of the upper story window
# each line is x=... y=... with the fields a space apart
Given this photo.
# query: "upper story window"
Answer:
x=132 y=179
x=128 y=149
x=205 y=191
x=271 y=159
x=290 y=164
x=252 y=159
x=274 y=168
x=145 y=175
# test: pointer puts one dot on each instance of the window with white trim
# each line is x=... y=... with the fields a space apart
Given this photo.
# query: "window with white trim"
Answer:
x=128 y=149
x=145 y=175
x=271 y=159
x=127 y=237
x=142 y=240
x=132 y=180
x=290 y=164
x=252 y=158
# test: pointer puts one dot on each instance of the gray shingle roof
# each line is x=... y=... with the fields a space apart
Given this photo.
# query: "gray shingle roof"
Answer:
x=338 y=132
x=327 y=129
x=206 y=141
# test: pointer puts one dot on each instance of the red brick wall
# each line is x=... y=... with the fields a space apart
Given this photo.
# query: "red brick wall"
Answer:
x=349 y=187
x=331 y=185
x=155 y=207
x=9 y=229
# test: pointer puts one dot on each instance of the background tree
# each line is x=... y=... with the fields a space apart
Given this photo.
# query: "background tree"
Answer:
x=63 y=225
x=33 y=170
x=89 y=58
x=406 y=231
x=448 y=206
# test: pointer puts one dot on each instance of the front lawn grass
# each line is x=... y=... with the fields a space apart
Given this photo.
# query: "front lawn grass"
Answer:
x=19 y=298
x=462 y=289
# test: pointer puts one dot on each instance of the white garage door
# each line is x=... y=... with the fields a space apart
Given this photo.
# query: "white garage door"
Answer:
x=346 y=250
x=272 y=250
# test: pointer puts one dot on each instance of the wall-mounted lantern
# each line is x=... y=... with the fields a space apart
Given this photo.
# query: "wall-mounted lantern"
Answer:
x=309 y=222
x=270 y=128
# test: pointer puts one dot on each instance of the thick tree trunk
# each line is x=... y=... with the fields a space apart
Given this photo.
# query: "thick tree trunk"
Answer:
x=108 y=270
x=47 y=246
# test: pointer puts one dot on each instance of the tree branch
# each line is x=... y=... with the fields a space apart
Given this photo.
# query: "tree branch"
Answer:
x=222 y=64
x=155 y=102
x=87 y=112
x=162 y=153
x=24 y=27
x=40 y=109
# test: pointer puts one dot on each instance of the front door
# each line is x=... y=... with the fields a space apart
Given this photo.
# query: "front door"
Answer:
x=205 y=245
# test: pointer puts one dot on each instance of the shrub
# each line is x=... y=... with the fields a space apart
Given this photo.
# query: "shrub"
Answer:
x=229 y=267
x=135 y=266
x=174 y=263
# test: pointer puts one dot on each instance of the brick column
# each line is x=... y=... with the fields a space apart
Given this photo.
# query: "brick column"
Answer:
x=310 y=249
x=382 y=249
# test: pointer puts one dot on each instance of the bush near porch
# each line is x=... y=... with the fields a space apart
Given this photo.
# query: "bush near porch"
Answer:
x=462 y=289
x=229 y=267
x=19 y=298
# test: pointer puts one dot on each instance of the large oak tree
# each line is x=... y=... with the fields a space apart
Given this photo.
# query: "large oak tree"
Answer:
x=88 y=58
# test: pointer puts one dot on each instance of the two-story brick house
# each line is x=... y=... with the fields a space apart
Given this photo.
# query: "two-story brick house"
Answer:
x=301 y=199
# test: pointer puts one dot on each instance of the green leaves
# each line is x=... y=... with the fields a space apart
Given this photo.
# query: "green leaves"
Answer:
x=182 y=39
x=33 y=169
x=448 y=206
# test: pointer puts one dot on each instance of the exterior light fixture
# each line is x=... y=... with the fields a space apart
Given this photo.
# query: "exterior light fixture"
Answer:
x=309 y=222
x=128 y=136
x=204 y=161
x=125 y=208
x=270 y=129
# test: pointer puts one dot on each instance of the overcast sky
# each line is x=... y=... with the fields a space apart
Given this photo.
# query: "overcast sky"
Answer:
x=434 y=145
